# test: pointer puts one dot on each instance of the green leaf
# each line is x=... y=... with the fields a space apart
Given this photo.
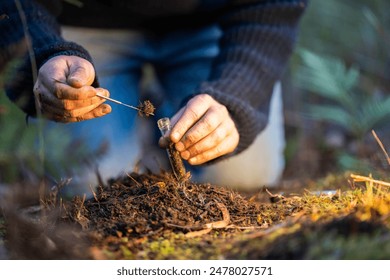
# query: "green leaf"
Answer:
x=371 y=17
x=348 y=162
x=333 y=114
x=327 y=77
x=351 y=78
x=374 y=112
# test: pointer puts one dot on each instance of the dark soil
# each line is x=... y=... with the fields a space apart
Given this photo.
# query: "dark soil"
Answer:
x=153 y=206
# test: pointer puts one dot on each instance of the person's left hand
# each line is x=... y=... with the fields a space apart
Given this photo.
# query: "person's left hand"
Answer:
x=203 y=130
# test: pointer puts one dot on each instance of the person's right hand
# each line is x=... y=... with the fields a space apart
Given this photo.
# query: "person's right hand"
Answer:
x=64 y=90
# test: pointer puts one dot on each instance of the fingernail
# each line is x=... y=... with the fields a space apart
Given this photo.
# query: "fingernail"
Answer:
x=185 y=155
x=103 y=92
x=193 y=160
x=180 y=146
x=175 y=137
x=106 y=109
x=75 y=80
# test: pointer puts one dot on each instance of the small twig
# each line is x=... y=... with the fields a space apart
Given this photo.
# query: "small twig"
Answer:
x=99 y=176
x=94 y=195
x=34 y=72
x=219 y=224
x=274 y=197
x=78 y=214
x=27 y=36
x=359 y=178
x=209 y=226
x=381 y=145
x=134 y=180
x=185 y=227
x=247 y=228
x=293 y=221
x=153 y=232
x=198 y=233
x=225 y=215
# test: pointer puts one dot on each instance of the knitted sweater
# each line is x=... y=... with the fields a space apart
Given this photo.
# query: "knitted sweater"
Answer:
x=257 y=39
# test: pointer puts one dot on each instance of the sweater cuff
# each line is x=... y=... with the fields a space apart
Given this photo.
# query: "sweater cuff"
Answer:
x=20 y=88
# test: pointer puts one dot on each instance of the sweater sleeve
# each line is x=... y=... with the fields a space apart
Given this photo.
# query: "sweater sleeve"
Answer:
x=257 y=40
x=43 y=32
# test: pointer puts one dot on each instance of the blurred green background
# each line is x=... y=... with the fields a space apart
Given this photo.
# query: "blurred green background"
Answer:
x=336 y=90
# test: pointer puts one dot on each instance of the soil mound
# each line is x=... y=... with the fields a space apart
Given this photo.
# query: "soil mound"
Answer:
x=146 y=204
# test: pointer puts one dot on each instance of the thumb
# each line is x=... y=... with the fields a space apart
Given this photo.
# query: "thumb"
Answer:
x=81 y=73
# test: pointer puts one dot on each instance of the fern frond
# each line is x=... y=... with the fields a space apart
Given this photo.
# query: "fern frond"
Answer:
x=373 y=113
x=327 y=77
x=333 y=114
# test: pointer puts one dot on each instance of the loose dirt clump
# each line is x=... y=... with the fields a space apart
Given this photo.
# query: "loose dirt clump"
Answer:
x=146 y=109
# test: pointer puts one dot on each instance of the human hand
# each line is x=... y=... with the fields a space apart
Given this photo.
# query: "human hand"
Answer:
x=203 y=130
x=64 y=90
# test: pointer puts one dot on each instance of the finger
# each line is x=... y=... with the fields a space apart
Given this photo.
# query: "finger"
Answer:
x=64 y=91
x=207 y=143
x=82 y=111
x=75 y=104
x=223 y=148
x=81 y=73
x=193 y=111
x=206 y=125
x=49 y=81
x=69 y=113
x=68 y=104
x=100 y=111
x=53 y=112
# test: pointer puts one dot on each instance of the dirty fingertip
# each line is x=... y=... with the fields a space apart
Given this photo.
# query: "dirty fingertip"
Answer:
x=175 y=137
x=106 y=93
x=75 y=81
x=106 y=109
x=180 y=146
x=185 y=155
x=193 y=161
